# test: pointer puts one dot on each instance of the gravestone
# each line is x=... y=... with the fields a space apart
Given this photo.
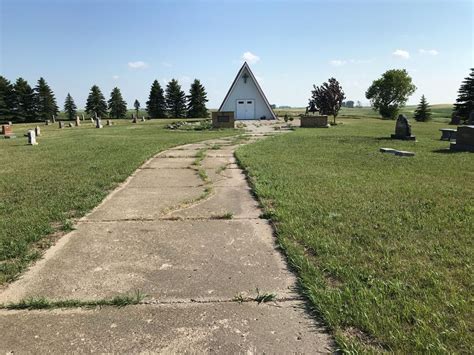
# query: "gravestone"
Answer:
x=47 y=122
x=403 y=129
x=223 y=119
x=134 y=119
x=10 y=123
x=143 y=119
x=464 y=139
x=109 y=123
x=61 y=124
x=78 y=121
x=92 y=121
x=447 y=134
x=54 y=119
x=38 y=131
x=70 y=125
x=32 y=137
x=98 y=123
x=7 y=131
x=83 y=117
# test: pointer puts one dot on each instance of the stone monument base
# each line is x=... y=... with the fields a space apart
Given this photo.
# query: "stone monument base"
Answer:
x=404 y=138
x=223 y=119
x=464 y=139
x=314 y=122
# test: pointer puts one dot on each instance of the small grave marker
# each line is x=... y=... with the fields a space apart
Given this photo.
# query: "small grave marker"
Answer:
x=61 y=124
x=54 y=119
x=400 y=153
x=78 y=121
x=98 y=123
x=109 y=123
x=223 y=119
x=134 y=118
x=70 y=124
x=32 y=137
x=7 y=131
x=47 y=122
x=38 y=131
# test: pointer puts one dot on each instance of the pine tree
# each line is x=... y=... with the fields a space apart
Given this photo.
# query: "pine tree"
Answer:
x=70 y=107
x=465 y=102
x=96 y=104
x=45 y=101
x=197 y=99
x=117 y=105
x=156 y=104
x=24 y=96
x=423 y=111
x=175 y=99
x=7 y=100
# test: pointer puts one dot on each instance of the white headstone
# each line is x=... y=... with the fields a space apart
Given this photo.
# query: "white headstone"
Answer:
x=78 y=121
x=54 y=119
x=98 y=123
x=32 y=137
x=61 y=124
x=38 y=131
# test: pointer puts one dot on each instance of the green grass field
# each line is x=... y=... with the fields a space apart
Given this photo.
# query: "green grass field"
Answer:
x=383 y=245
x=440 y=113
x=44 y=187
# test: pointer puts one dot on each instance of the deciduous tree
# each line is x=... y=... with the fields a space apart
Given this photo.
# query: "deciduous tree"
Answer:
x=328 y=98
x=156 y=104
x=197 y=99
x=389 y=93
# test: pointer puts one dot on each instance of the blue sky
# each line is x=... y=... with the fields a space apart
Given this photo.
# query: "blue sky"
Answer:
x=290 y=45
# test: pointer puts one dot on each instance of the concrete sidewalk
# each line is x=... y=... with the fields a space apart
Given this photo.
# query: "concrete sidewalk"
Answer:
x=193 y=246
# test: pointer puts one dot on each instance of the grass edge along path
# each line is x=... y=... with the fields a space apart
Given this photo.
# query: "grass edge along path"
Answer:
x=45 y=188
x=381 y=244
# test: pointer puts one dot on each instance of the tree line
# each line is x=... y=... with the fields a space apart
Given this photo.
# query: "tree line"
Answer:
x=19 y=102
x=388 y=95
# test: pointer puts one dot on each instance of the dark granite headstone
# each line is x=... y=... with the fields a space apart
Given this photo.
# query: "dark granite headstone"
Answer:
x=464 y=139
x=403 y=129
x=223 y=119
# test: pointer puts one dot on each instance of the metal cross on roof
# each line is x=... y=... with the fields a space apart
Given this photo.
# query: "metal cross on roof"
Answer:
x=245 y=76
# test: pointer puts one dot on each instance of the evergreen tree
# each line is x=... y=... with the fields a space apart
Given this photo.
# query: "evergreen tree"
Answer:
x=117 y=105
x=136 y=104
x=24 y=102
x=156 y=104
x=96 y=103
x=70 y=107
x=7 y=99
x=465 y=102
x=197 y=99
x=423 y=111
x=45 y=101
x=175 y=99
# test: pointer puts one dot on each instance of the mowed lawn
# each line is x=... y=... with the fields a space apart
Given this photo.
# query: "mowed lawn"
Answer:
x=383 y=245
x=43 y=188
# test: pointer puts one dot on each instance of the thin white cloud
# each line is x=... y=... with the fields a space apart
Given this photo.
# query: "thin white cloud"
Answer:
x=337 y=62
x=400 y=53
x=115 y=77
x=428 y=51
x=137 y=65
x=250 y=58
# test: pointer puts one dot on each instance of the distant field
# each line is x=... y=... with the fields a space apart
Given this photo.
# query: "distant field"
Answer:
x=383 y=245
x=43 y=188
x=441 y=113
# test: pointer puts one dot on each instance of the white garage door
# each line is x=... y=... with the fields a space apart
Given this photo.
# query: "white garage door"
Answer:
x=245 y=109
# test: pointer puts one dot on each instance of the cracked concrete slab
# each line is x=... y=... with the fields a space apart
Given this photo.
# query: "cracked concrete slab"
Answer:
x=139 y=203
x=170 y=163
x=234 y=200
x=224 y=328
x=192 y=259
x=157 y=178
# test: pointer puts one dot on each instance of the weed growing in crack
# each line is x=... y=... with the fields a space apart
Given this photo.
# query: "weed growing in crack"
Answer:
x=265 y=297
